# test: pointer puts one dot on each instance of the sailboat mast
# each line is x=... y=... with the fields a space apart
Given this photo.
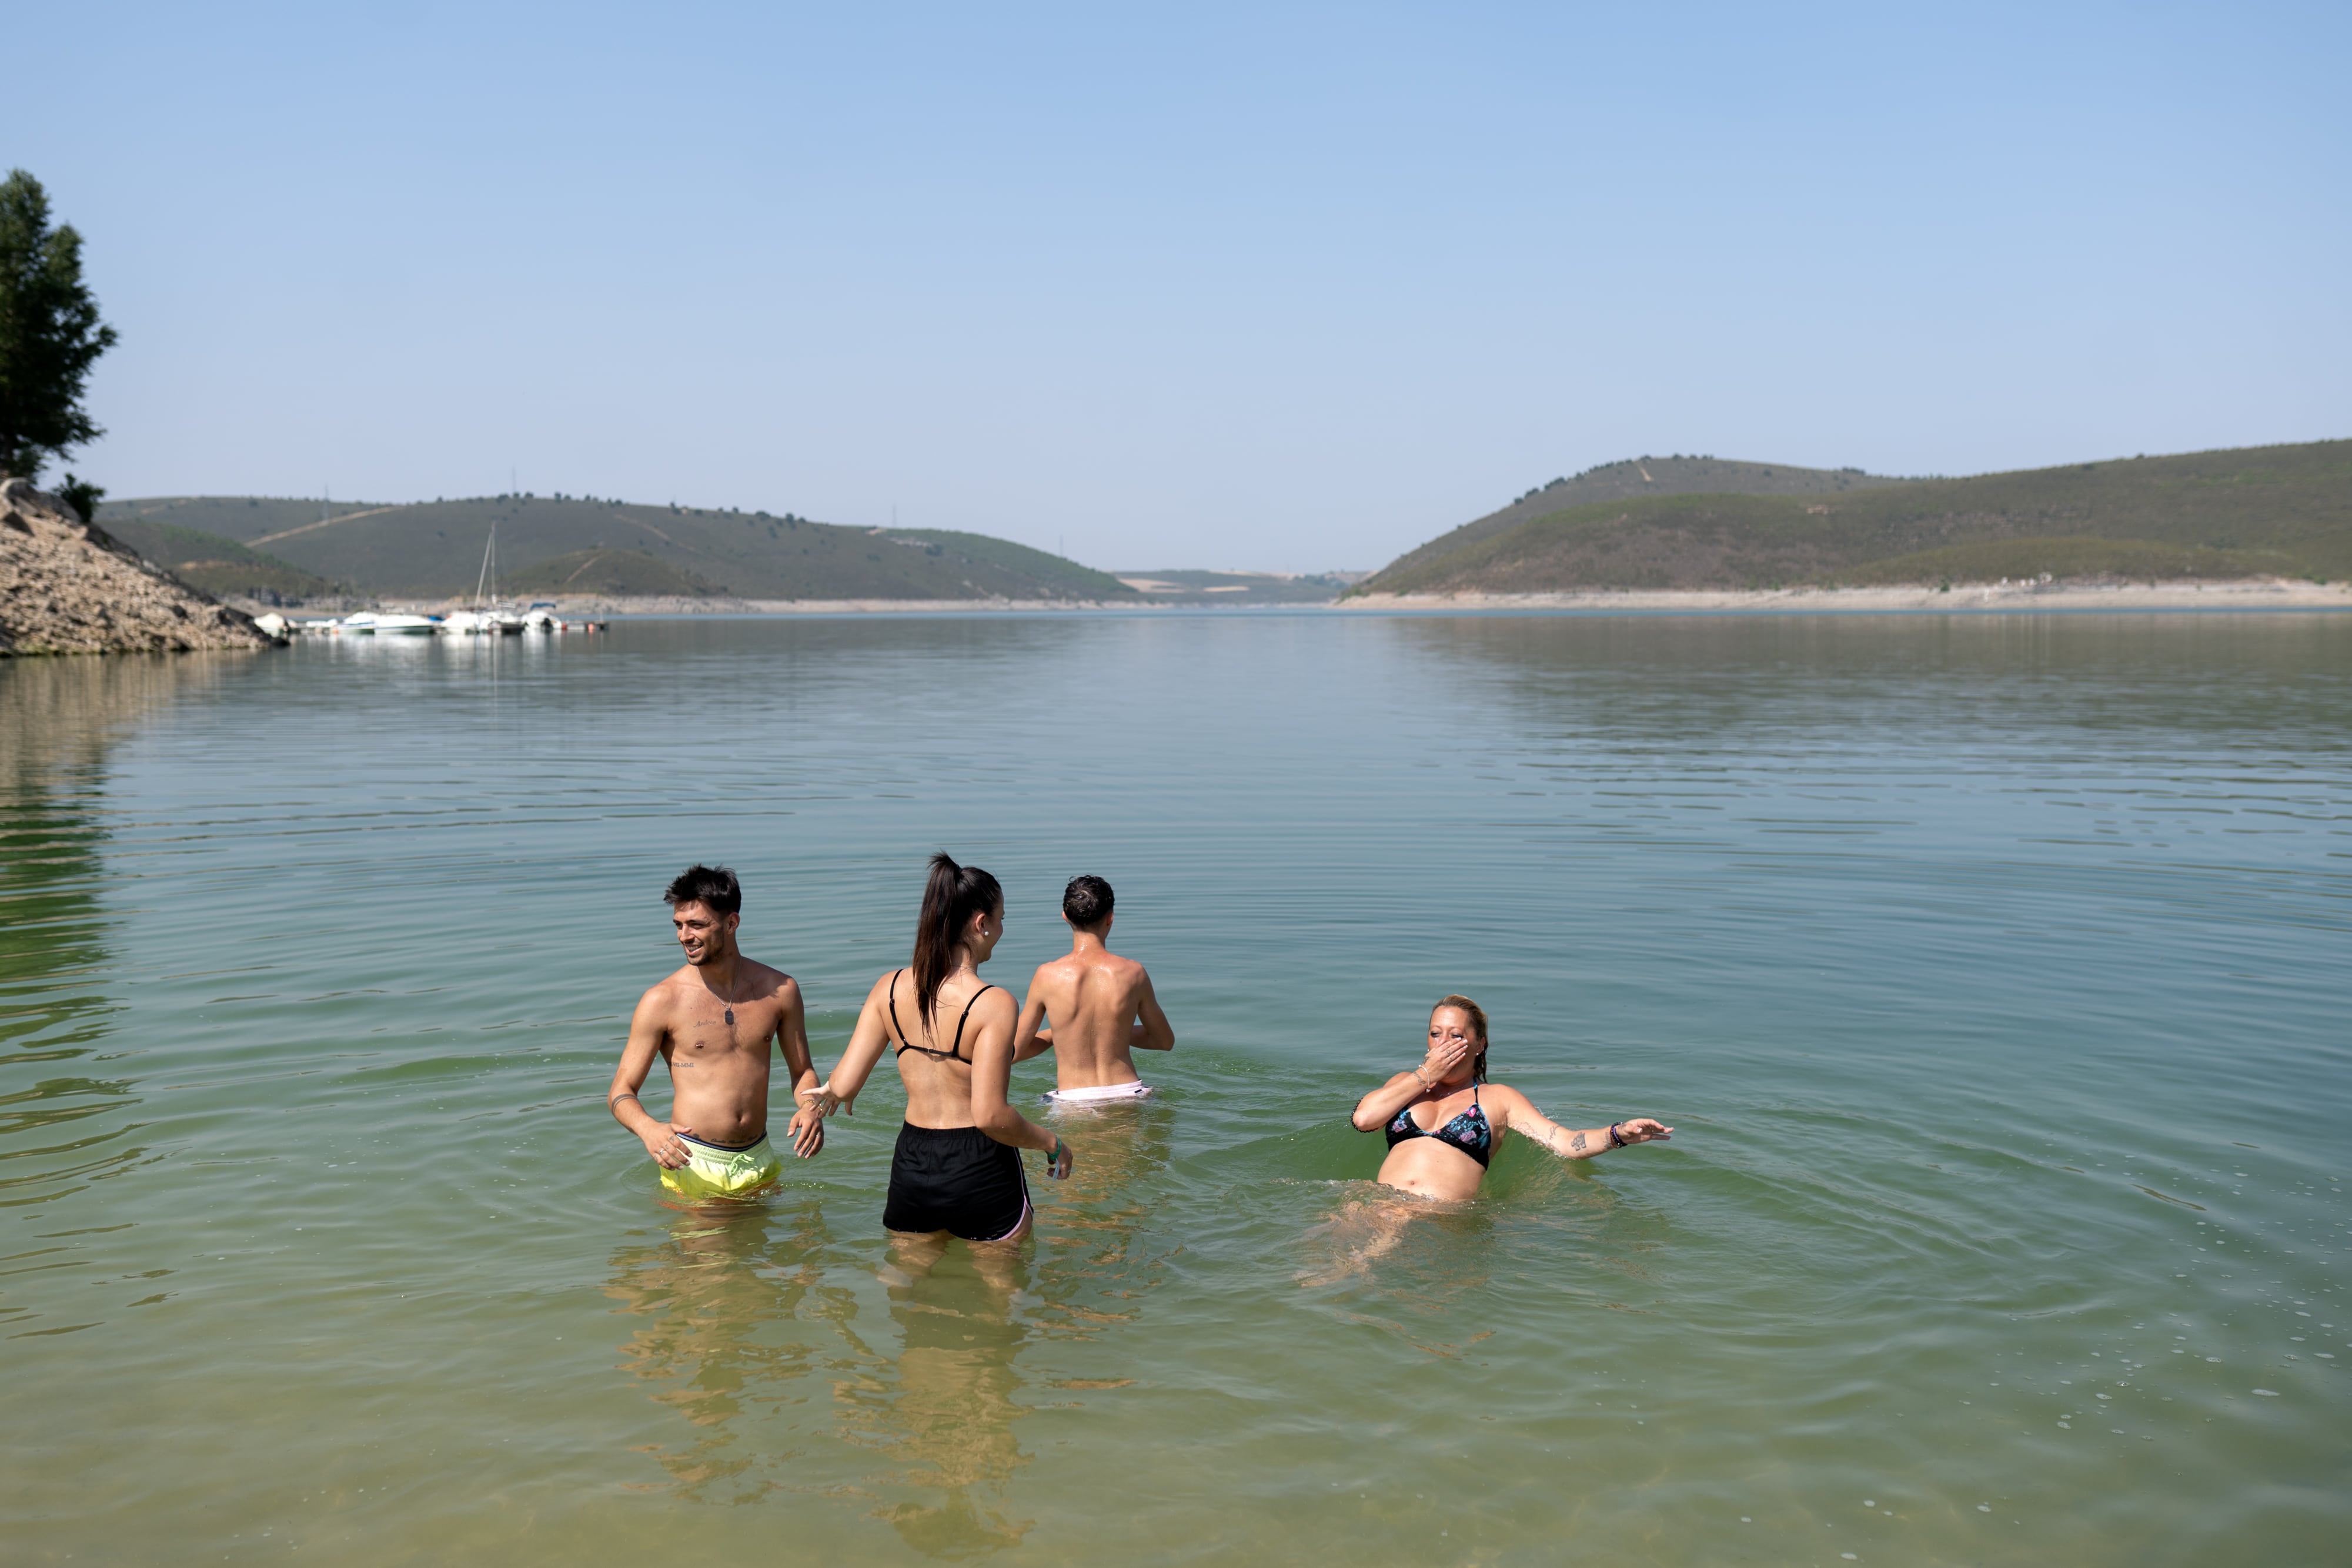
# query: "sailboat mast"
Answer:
x=489 y=552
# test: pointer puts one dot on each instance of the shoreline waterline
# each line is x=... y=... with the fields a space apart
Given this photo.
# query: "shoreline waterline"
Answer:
x=2263 y=593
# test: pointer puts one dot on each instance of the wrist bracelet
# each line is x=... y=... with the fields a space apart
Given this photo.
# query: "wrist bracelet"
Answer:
x=1614 y=1141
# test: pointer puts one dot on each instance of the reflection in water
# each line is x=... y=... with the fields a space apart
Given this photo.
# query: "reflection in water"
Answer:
x=948 y=1415
x=966 y=1313
x=59 y=1131
x=1676 y=676
x=1098 y=1265
x=725 y=1301
x=720 y=1295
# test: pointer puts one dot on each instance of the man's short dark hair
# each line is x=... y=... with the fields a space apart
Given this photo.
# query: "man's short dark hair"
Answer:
x=712 y=884
x=1086 y=902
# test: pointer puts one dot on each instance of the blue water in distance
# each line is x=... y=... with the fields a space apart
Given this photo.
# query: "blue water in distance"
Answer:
x=1993 y=970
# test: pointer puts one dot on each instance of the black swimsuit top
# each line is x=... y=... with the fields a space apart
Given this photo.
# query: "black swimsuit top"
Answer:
x=955 y=1051
x=1468 y=1132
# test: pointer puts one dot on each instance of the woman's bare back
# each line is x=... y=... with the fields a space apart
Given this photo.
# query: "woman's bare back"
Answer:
x=935 y=1058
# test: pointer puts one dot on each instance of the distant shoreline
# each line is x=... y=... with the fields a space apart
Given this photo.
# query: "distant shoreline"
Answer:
x=2265 y=594
x=2260 y=593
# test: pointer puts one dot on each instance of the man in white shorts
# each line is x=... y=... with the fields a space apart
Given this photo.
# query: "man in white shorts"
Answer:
x=1099 y=1005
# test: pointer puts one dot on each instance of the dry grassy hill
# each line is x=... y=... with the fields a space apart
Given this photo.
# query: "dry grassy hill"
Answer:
x=2252 y=512
x=219 y=565
x=581 y=544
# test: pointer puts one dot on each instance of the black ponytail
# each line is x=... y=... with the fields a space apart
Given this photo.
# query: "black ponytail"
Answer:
x=952 y=897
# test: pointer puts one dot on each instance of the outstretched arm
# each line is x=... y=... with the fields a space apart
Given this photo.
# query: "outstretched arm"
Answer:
x=1571 y=1143
x=857 y=1058
x=1152 y=1032
x=660 y=1138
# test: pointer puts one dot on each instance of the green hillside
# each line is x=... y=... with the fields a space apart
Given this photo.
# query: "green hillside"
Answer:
x=435 y=548
x=1637 y=478
x=217 y=564
x=2256 y=511
x=616 y=573
x=1017 y=560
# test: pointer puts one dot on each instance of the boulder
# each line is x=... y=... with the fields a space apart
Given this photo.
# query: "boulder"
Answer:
x=66 y=587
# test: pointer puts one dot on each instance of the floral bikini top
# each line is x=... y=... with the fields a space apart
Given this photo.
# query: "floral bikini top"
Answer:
x=1468 y=1132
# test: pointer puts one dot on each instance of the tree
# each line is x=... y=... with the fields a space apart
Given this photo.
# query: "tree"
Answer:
x=50 y=332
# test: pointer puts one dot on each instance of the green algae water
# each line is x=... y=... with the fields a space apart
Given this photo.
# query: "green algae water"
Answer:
x=1993 y=970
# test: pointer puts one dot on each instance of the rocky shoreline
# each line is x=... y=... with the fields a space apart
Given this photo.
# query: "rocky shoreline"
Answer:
x=67 y=587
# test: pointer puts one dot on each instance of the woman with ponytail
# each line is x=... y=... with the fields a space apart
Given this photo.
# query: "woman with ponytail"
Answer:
x=957 y=1169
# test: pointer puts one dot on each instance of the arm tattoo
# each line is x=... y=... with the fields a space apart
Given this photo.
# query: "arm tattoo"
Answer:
x=1576 y=1143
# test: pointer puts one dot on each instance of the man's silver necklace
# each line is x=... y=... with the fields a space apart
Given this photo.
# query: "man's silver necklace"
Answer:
x=723 y=1001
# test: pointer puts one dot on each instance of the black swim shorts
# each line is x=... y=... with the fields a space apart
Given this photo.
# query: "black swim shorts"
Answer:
x=956 y=1179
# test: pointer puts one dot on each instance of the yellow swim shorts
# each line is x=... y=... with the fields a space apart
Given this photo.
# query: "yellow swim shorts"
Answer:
x=715 y=1170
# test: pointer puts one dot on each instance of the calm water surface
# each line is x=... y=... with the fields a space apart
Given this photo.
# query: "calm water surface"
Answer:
x=1993 y=969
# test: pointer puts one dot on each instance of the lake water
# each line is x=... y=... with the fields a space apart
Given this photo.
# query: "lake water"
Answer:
x=1994 y=971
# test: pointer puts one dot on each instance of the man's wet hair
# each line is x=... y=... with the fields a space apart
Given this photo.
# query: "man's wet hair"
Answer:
x=1086 y=902
x=712 y=884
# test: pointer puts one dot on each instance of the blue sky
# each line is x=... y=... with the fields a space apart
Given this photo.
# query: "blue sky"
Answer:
x=1280 y=287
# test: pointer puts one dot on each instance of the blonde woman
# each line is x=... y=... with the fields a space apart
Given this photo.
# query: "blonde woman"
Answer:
x=1444 y=1121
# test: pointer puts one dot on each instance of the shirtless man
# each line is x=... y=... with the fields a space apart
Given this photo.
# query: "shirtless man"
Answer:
x=711 y=1021
x=1101 y=1007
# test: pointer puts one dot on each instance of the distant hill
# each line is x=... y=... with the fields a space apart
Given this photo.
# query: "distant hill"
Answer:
x=434 y=549
x=217 y=564
x=1637 y=478
x=2249 y=512
x=610 y=573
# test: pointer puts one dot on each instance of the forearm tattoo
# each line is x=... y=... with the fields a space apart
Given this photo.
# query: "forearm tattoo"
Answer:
x=1575 y=1144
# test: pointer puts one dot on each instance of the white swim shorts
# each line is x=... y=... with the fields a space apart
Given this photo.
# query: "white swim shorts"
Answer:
x=1138 y=1089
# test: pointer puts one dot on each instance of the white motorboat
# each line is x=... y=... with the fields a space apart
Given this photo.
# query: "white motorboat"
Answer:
x=466 y=624
x=406 y=625
x=356 y=625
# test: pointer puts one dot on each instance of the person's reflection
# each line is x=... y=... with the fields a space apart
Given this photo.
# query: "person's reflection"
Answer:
x=710 y=1294
x=950 y=1418
x=966 y=1315
x=1097 y=1260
